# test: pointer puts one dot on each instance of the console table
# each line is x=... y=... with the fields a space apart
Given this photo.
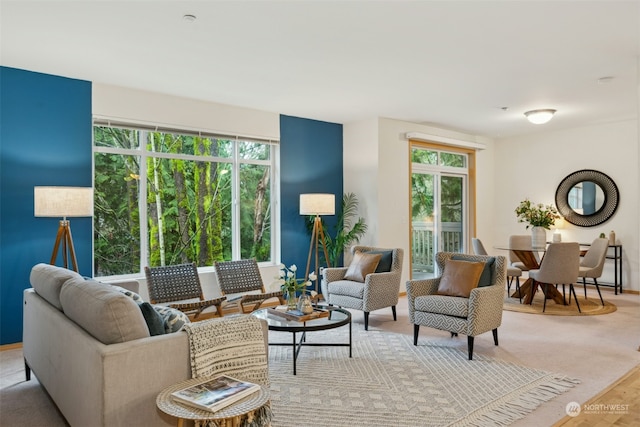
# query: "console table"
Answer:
x=616 y=256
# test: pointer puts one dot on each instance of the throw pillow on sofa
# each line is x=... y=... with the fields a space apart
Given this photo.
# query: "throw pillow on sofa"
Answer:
x=155 y=322
x=172 y=319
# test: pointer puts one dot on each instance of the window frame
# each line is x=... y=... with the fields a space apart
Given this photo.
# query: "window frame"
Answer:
x=235 y=160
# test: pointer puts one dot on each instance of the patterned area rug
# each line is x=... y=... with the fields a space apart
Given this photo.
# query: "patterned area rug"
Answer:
x=588 y=306
x=389 y=381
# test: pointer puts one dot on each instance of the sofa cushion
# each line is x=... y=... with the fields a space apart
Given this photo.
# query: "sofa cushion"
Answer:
x=485 y=277
x=108 y=315
x=459 y=278
x=363 y=263
x=386 y=260
x=172 y=318
x=154 y=321
x=47 y=280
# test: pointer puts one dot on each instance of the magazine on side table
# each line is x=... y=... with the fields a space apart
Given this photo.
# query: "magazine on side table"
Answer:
x=215 y=394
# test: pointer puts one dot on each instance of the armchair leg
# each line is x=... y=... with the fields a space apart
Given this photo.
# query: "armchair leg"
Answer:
x=366 y=320
x=470 y=344
x=495 y=336
x=416 y=329
x=395 y=318
x=27 y=371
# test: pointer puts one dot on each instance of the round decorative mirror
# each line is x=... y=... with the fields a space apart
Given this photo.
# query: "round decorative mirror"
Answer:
x=587 y=198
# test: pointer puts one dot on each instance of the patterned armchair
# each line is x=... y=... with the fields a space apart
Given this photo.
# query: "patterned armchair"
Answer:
x=480 y=313
x=379 y=289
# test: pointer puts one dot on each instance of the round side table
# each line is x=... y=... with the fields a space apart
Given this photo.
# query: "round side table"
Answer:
x=230 y=416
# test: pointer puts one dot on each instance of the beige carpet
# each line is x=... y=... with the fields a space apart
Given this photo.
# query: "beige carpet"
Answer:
x=588 y=307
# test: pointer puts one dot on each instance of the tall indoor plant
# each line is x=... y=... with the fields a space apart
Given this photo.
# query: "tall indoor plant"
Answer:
x=538 y=216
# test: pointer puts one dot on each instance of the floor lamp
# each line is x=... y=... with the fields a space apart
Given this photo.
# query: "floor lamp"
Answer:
x=317 y=204
x=63 y=202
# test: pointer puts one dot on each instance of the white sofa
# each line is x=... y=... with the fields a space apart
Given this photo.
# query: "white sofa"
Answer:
x=111 y=380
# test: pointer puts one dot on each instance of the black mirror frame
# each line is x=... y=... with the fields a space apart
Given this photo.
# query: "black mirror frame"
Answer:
x=611 y=198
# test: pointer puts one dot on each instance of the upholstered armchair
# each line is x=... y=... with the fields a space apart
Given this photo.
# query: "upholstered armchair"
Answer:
x=478 y=313
x=370 y=290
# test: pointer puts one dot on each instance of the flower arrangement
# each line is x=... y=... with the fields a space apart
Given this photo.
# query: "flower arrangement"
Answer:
x=537 y=215
x=288 y=281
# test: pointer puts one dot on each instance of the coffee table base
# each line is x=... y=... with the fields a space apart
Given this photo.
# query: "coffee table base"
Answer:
x=297 y=345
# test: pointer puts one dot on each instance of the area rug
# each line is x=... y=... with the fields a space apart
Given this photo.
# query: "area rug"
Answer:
x=588 y=306
x=390 y=382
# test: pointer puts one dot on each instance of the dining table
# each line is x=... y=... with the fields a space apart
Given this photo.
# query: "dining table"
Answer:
x=529 y=257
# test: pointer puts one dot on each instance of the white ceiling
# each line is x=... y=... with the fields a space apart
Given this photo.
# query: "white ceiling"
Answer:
x=453 y=64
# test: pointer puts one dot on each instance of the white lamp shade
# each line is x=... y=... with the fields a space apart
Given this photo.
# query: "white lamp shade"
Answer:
x=317 y=204
x=63 y=201
x=539 y=117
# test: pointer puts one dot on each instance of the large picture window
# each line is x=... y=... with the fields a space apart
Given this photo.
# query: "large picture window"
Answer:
x=165 y=197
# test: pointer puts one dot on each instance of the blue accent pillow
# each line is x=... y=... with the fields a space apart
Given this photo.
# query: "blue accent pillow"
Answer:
x=154 y=321
x=485 y=277
x=384 y=266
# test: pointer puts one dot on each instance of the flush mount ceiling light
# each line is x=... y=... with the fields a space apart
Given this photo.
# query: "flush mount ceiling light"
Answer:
x=539 y=117
x=189 y=18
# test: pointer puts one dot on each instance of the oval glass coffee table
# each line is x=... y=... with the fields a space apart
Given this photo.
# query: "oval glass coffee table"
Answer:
x=337 y=317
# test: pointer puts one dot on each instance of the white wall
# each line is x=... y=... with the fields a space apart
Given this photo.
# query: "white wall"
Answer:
x=533 y=165
x=148 y=107
x=376 y=169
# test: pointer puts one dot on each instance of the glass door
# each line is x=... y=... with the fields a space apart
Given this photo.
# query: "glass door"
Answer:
x=438 y=209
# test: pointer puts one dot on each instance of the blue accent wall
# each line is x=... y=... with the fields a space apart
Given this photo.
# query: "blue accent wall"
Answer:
x=45 y=139
x=310 y=162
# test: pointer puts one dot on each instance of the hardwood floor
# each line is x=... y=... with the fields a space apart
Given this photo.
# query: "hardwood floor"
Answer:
x=617 y=405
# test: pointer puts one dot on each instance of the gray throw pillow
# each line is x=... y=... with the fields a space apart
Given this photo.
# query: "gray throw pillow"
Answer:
x=384 y=266
x=172 y=319
x=155 y=322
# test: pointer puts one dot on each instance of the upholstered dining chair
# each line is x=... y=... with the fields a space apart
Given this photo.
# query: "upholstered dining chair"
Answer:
x=180 y=286
x=560 y=266
x=592 y=264
x=521 y=242
x=352 y=287
x=455 y=301
x=513 y=273
x=240 y=281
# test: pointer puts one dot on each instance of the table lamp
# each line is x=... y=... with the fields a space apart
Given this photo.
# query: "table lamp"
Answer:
x=317 y=204
x=63 y=202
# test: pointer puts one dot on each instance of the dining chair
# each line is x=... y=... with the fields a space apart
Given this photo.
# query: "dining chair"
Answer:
x=592 y=264
x=521 y=242
x=560 y=266
x=180 y=286
x=513 y=273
